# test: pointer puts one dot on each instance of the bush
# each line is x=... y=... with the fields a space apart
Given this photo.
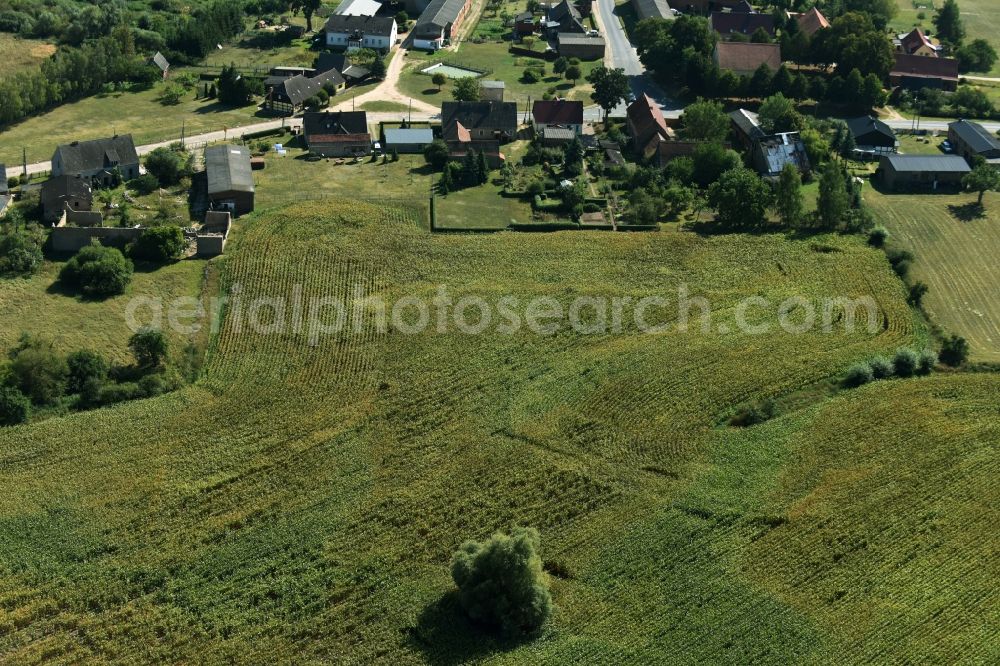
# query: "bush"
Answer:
x=900 y=261
x=149 y=346
x=954 y=351
x=904 y=363
x=436 y=154
x=38 y=371
x=97 y=271
x=158 y=244
x=858 y=375
x=756 y=413
x=20 y=254
x=165 y=165
x=535 y=188
x=84 y=366
x=881 y=367
x=144 y=184
x=917 y=292
x=501 y=584
x=14 y=406
x=878 y=236
x=928 y=359
x=531 y=75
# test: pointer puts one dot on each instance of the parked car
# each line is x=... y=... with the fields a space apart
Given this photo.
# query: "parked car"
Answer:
x=946 y=146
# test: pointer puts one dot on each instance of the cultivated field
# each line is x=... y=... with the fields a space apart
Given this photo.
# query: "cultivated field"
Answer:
x=956 y=255
x=302 y=500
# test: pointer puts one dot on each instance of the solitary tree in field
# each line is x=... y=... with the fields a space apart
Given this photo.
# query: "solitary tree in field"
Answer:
x=439 y=79
x=981 y=179
x=501 y=583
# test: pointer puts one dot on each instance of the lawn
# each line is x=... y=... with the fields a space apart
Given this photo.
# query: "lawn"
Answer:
x=981 y=19
x=920 y=145
x=302 y=500
x=496 y=59
x=265 y=49
x=139 y=113
x=22 y=55
x=956 y=256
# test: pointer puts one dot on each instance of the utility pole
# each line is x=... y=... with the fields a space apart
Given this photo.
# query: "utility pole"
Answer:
x=24 y=161
x=409 y=113
x=182 y=135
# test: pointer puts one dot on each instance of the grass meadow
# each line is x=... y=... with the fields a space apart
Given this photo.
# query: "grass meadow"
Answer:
x=20 y=55
x=301 y=501
x=956 y=248
x=981 y=19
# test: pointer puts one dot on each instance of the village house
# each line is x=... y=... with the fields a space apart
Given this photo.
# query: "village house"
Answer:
x=646 y=126
x=729 y=24
x=744 y=58
x=337 y=133
x=557 y=113
x=771 y=153
x=916 y=43
x=346 y=32
x=915 y=72
x=288 y=95
x=924 y=172
x=872 y=136
x=746 y=128
x=101 y=161
x=62 y=192
x=563 y=18
x=437 y=23
x=481 y=120
x=972 y=141
x=657 y=9
x=229 y=178
x=351 y=73
x=810 y=22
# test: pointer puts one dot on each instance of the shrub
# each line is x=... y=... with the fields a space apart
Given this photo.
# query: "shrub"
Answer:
x=501 y=583
x=928 y=359
x=149 y=346
x=900 y=261
x=84 y=366
x=97 y=271
x=20 y=253
x=38 y=371
x=917 y=292
x=882 y=368
x=954 y=351
x=14 y=406
x=531 y=76
x=165 y=165
x=158 y=244
x=878 y=236
x=858 y=375
x=144 y=184
x=904 y=363
x=535 y=188
x=436 y=154
x=756 y=413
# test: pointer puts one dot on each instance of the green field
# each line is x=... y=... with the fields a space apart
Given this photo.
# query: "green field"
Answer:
x=19 y=55
x=956 y=256
x=301 y=501
x=981 y=19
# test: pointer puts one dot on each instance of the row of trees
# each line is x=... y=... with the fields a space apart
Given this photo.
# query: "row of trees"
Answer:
x=37 y=376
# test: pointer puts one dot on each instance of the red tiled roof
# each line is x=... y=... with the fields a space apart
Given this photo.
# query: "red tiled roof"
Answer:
x=747 y=56
x=928 y=67
x=812 y=21
x=914 y=40
x=339 y=138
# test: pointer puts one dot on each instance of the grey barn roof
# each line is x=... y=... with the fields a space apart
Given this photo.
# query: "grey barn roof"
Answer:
x=438 y=15
x=227 y=168
x=865 y=124
x=368 y=25
x=411 y=135
x=81 y=156
x=934 y=163
x=975 y=135
x=297 y=89
x=501 y=115
x=645 y=9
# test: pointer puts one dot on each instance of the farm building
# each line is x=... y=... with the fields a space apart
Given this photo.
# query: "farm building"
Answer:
x=916 y=43
x=337 y=133
x=972 y=140
x=492 y=91
x=582 y=46
x=771 y=153
x=810 y=22
x=358 y=8
x=931 y=172
x=563 y=18
x=746 y=57
x=658 y=9
x=646 y=126
x=560 y=113
x=409 y=140
x=361 y=32
x=872 y=136
x=287 y=96
x=479 y=120
x=61 y=192
x=101 y=161
x=915 y=72
x=728 y=24
x=230 y=179
x=437 y=22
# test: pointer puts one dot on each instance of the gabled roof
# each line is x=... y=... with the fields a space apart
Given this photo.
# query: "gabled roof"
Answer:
x=645 y=9
x=747 y=57
x=927 y=67
x=480 y=115
x=227 y=169
x=317 y=126
x=977 y=137
x=812 y=21
x=567 y=16
x=327 y=61
x=297 y=89
x=71 y=187
x=355 y=73
x=646 y=121
x=81 y=156
x=437 y=16
x=747 y=123
x=358 y=8
x=557 y=112
x=868 y=124
x=578 y=38
x=914 y=39
x=380 y=26
x=932 y=163
x=412 y=135
x=525 y=17
x=778 y=150
x=728 y=23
